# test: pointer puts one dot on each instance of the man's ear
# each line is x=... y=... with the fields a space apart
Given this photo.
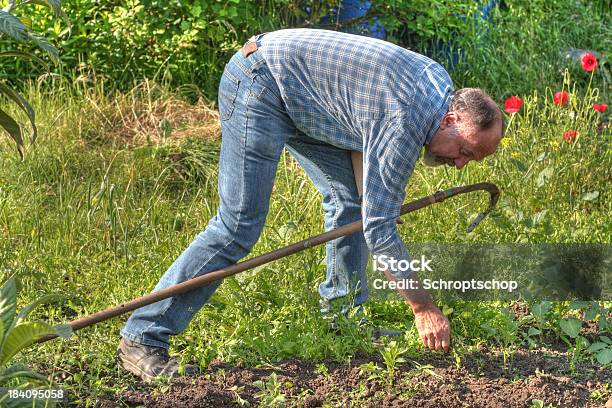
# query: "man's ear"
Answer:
x=448 y=119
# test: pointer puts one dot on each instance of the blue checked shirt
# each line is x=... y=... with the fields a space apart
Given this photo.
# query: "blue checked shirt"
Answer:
x=364 y=94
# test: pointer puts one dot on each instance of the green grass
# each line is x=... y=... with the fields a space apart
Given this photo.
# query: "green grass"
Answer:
x=99 y=220
x=526 y=47
x=99 y=223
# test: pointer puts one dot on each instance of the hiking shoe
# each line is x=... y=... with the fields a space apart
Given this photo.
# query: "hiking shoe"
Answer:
x=149 y=362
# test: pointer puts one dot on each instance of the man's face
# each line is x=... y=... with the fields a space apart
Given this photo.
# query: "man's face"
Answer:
x=456 y=142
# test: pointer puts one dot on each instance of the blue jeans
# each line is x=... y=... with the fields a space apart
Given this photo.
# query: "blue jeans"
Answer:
x=255 y=128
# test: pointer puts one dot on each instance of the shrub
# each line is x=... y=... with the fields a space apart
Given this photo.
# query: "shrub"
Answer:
x=13 y=27
x=191 y=41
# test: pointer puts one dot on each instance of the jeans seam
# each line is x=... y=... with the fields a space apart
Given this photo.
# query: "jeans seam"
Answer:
x=334 y=218
x=248 y=71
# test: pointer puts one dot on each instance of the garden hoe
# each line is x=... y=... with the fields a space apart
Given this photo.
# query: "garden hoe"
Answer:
x=347 y=229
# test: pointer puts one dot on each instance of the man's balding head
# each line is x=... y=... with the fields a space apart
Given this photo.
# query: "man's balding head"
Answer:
x=477 y=105
x=470 y=130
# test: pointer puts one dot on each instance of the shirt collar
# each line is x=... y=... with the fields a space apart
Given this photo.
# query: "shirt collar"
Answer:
x=435 y=124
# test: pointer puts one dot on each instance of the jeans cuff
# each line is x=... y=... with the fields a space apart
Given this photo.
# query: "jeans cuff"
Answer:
x=142 y=340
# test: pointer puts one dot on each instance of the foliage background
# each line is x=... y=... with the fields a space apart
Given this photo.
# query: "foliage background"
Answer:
x=189 y=41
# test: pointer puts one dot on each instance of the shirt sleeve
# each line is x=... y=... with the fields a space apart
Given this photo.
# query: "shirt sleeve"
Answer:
x=389 y=159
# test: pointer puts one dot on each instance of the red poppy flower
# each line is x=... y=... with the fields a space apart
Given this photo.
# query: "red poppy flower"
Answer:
x=588 y=62
x=570 y=136
x=560 y=98
x=513 y=104
x=600 y=108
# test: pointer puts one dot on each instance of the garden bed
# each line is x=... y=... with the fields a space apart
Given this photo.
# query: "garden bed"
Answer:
x=478 y=379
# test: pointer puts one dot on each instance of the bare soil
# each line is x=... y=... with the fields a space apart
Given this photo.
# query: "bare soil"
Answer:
x=478 y=380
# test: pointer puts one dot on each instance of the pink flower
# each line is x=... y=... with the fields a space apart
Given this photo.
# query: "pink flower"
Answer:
x=600 y=108
x=560 y=98
x=513 y=104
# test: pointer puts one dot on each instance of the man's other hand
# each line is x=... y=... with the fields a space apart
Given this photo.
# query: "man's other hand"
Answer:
x=433 y=327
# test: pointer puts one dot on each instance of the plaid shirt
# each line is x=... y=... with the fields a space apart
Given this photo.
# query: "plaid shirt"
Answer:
x=363 y=94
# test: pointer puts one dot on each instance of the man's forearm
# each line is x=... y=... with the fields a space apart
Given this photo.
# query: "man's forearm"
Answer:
x=357 y=160
x=418 y=298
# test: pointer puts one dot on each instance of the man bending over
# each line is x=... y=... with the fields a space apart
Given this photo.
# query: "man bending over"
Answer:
x=355 y=112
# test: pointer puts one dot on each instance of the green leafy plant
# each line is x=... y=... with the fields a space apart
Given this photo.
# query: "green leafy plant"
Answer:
x=529 y=336
x=392 y=356
x=13 y=27
x=372 y=370
x=16 y=334
x=236 y=390
x=417 y=22
x=270 y=392
x=426 y=369
x=506 y=334
x=540 y=312
x=570 y=327
x=322 y=369
x=538 y=316
x=536 y=403
x=601 y=348
x=602 y=394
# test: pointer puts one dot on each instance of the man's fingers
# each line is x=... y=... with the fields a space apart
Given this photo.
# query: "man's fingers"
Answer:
x=438 y=340
x=425 y=339
x=446 y=339
x=430 y=342
x=445 y=344
x=434 y=331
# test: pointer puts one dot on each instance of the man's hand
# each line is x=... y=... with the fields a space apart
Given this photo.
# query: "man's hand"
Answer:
x=433 y=327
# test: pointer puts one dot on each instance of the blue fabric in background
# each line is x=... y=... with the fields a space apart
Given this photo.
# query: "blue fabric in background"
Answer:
x=449 y=55
x=487 y=8
x=352 y=9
